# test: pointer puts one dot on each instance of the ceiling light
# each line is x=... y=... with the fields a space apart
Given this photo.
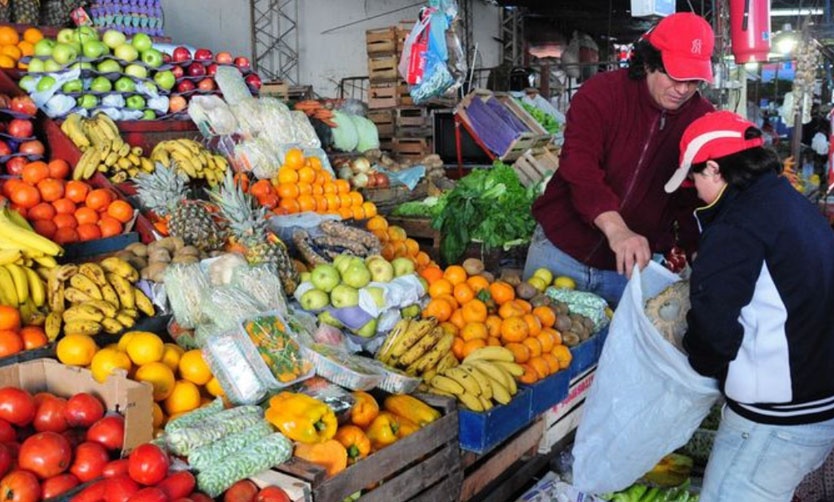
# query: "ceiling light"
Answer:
x=811 y=11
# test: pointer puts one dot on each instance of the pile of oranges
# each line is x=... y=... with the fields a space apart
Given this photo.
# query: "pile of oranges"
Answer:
x=14 y=46
x=480 y=313
x=301 y=184
x=397 y=244
x=16 y=338
x=181 y=379
x=65 y=211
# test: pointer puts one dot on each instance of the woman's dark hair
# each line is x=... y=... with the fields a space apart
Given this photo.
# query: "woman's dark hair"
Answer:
x=644 y=58
x=741 y=168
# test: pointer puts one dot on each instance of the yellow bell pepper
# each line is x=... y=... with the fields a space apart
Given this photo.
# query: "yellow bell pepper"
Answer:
x=383 y=430
x=301 y=417
x=355 y=441
x=407 y=427
x=364 y=409
x=411 y=408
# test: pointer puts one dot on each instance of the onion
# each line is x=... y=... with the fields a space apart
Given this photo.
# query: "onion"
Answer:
x=345 y=173
x=361 y=165
x=360 y=180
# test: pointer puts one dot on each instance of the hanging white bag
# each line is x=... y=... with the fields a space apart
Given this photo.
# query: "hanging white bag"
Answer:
x=646 y=400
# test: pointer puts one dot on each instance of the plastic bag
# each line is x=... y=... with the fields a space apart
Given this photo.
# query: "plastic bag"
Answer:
x=184 y=285
x=646 y=400
x=278 y=347
x=225 y=306
x=412 y=60
x=262 y=283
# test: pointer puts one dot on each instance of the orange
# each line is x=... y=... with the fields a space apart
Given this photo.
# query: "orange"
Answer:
x=346 y=213
x=431 y=274
x=294 y=159
x=477 y=283
x=35 y=172
x=86 y=215
x=193 y=367
x=474 y=311
x=291 y=206
x=546 y=316
x=10 y=343
x=344 y=200
x=99 y=199
x=329 y=188
x=333 y=202
x=546 y=341
x=58 y=169
x=6 y=62
x=65 y=235
x=557 y=337
x=158 y=415
x=260 y=188
x=76 y=350
x=322 y=177
x=524 y=305
x=88 y=232
x=307 y=203
x=472 y=346
x=440 y=287
x=321 y=203
x=501 y=292
x=563 y=354
x=356 y=199
x=493 y=324
x=51 y=189
x=552 y=363
x=33 y=337
x=65 y=221
x=287 y=175
x=358 y=213
x=306 y=175
x=534 y=326
x=534 y=345
x=45 y=228
x=455 y=274
x=530 y=374
x=76 y=191
x=145 y=347
x=120 y=210
x=342 y=186
x=171 y=355
x=449 y=328
x=160 y=376
x=510 y=309
x=462 y=292
x=25 y=195
x=457 y=347
x=423 y=259
x=8 y=36
x=184 y=397
x=287 y=190
x=41 y=211
x=12 y=51
x=108 y=361
x=64 y=206
x=540 y=365
x=493 y=341
x=514 y=329
x=387 y=250
x=457 y=319
x=439 y=309
x=32 y=35
x=451 y=299
x=520 y=351
x=369 y=208
x=109 y=226
x=474 y=330
x=397 y=233
x=26 y=48
x=376 y=223
x=9 y=318
x=213 y=387
x=305 y=189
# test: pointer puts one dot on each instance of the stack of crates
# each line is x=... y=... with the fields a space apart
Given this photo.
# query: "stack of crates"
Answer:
x=404 y=129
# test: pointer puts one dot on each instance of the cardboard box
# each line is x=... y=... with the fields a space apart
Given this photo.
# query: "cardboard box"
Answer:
x=564 y=417
x=132 y=399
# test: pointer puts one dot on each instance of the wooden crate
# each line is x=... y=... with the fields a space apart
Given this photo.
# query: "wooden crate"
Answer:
x=277 y=89
x=381 y=41
x=542 y=137
x=411 y=148
x=563 y=418
x=536 y=163
x=412 y=122
x=389 y=95
x=523 y=140
x=384 y=121
x=422 y=466
x=383 y=69
x=388 y=198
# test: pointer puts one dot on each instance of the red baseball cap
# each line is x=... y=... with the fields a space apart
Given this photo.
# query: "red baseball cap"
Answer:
x=712 y=136
x=685 y=41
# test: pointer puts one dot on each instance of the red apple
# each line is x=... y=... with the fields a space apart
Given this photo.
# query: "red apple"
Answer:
x=211 y=70
x=176 y=104
x=178 y=71
x=253 y=81
x=242 y=63
x=21 y=128
x=224 y=58
x=185 y=86
x=5 y=149
x=15 y=165
x=24 y=104
x=32 y=147
x=203 y=54
x=166 y=58
x=207 y=84
x=196 y=70
x=181 y=54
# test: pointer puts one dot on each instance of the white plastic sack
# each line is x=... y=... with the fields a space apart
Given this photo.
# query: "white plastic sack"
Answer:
x=646 y=400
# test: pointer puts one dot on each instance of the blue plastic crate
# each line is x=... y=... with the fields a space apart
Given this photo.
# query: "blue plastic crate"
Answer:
x=549 y=391
x=481 y=432
x=585 y=355
x=97 y=247
x=601 y=336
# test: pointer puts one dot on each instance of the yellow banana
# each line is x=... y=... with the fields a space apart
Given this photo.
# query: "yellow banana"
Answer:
x=143 y=302
x=21 y=284
x=123 y=163
x=71 y=126
x=384 y=352
x=185 y=165
x=19 y=220
x=492 y=353
x=10 y=256
x=485 y=403
x=124 y=290
x=75 y=295
x=111 y=326
x=483 y=380
x=52 y=326
x=55 y=293
x=446 y=384
x=132 y=313
x=433 y=356
x=465 y=380
x=147 y=164
x=413 y=333
x=26 y=239
x=107 y=124
x=494 y=372
x=125 y=320
x=120 y=267
x=124 y=148
x=45 y=261
x=8 y=292
x=513 y=369
x=134 y=160
x=81 y=312
x=471 y=401
x=137 y=151
x=86 y=285
x=37 y=291
x=422 y=346
x=110 y=296
x=94 y=271
x=105 y=307
x=82 y=328
x=90 y=157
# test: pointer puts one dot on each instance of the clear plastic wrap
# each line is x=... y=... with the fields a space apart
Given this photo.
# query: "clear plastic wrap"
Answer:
x=262 y=283
x=184 y=286
x=225 y=306
x=305 y=135
x=347 y=370
x=277 y=347
x=258 y=156
x=235 y=363
x=212 y=116
x=394 y=380
x=339 y=400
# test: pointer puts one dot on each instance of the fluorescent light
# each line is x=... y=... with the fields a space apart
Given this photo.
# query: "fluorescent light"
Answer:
x=815 y=11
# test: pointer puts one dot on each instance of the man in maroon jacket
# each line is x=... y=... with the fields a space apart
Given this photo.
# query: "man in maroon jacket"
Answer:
x=605 y=210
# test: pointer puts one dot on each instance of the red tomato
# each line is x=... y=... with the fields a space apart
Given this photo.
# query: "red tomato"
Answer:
x=75 y=436
x=200 y=497
x=109 y=431
x=120 y=488
x=242 y=491
x=49 y=414
x=149 y=494
x=272 y=494
x=178 y=485
x=20 y=486
x=46 y=454
x=57 y=485
x=148 y=464
x=92 y=493
x=6 y=459
x=115 y=468
x=184 y=499
x=83 y=410
x=16 y=406
x=90 y=459
x=7 y=432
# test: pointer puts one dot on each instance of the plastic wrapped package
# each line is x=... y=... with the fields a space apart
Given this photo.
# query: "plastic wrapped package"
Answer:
x=277 y=347
x=185 y=338
x=212 y=116
x=262 y=283
x=258 y=156
x=394 y=380
x=305 y=135
x=205 y=331
x=212 y=427
x=345 y=136
x=339 y=400
x=225 y=306
x=347 y=370
x=204 y=457
x=194 y=417
x=367 y=132
x=235 y=363
x=184 y=286
x=248 y=117
x=272 y=450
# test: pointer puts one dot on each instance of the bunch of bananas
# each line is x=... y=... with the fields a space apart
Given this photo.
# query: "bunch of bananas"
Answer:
x=417 y=346
x=104 y=149
x=21 y=287
x=486 y=376
x=22 y=245
x=101 y=297
x=192 y=159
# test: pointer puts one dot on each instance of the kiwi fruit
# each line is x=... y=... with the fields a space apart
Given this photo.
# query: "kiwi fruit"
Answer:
x=563 y=322
x=540 y=300
x=488 y=276
x=473 y=266
x=525 y=291
x=570 y=338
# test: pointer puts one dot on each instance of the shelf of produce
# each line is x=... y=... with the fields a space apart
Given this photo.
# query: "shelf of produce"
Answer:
x=423 y=466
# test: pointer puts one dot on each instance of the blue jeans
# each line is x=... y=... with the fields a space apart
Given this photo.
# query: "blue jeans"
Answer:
x=755 y=462
x=543 y=254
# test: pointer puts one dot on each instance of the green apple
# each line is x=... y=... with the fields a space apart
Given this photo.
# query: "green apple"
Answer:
x=64 y=53
x=142 y=42
x=101 y=84
x=326 y=317
x=124 y=84
x=46 y=83
x=66 y=36
x=94 y=49
x=315 y=299
x=411 y=311
x=109 y=66
x=36 y=66
x=344 y=296
x=113 y=38
x=135 y=102
x=380 y=268
x=43 y=47
x=136 y=70
x=74 y=85
x=305 y=277
x=84 y=34
x=165 y=79
x=152 y=58
x=402 y=266
x=378 y=294
x=368 y=330
x=126 y=53
x=52 y=66
x=82 y=65
x=87 y=101
x=325 y=277
x=149 y=115
x=28 y=83
x=356 y=275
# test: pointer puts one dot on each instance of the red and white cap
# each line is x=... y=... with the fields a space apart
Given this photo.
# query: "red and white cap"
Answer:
x=685 y=41
x=712 y=136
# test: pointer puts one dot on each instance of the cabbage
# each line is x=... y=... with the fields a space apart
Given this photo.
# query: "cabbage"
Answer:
x=345 y=136
x=368 y=134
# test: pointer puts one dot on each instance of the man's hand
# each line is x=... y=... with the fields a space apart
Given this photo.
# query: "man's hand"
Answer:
x=631 y=248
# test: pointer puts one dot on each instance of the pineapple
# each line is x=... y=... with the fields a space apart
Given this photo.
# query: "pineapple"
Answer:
x=248 y=229
x=164 y=192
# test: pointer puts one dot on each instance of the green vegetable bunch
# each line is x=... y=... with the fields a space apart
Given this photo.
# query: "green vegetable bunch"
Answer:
x=487 y=205
x=644 y=493
x=546 y=120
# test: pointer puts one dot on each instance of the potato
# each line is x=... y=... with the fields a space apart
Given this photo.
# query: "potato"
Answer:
x=185 y=259
x=160 y=255
x=138 y=249
x=154 y=271
x=188 y=251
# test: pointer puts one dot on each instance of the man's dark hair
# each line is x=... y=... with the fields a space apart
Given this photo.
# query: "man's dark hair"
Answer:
x=644 y=58
x=742 y=168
